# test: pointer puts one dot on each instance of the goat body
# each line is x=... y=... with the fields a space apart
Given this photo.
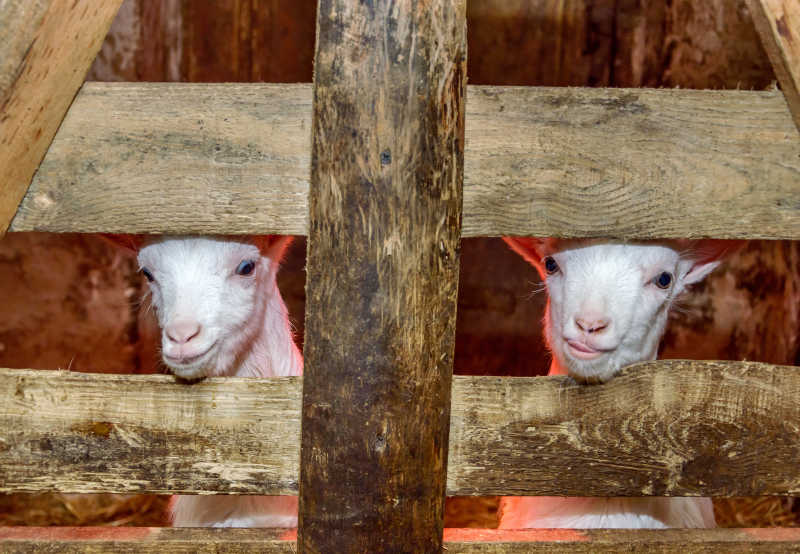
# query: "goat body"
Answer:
x=607 y=308
x=221 y=314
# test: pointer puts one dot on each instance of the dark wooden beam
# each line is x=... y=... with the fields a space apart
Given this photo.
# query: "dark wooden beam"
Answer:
x=383 y=258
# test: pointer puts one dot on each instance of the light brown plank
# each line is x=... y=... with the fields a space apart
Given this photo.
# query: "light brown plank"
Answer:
x=91 y=433
x=456 y=541
x=778 y=25
x=636 y=163
x=45 y=78
x=19 y=21
x=668 y=427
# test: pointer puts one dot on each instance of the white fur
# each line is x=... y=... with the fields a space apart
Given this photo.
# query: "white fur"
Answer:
x=215 y=322
x=604 y=299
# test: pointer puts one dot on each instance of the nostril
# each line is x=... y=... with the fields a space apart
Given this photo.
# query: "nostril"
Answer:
x=595 y=325
x=183 y=331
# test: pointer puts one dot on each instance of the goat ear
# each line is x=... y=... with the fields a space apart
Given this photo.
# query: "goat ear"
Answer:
x=130 y=242
x=531 y=249
x=273 y=246
x=706 y=255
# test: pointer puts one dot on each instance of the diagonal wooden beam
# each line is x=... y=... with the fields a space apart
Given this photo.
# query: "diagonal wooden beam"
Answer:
x=49 y=48
x=778 y=25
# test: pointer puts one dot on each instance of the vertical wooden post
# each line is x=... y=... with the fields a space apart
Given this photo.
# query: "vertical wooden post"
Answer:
x=383 y=253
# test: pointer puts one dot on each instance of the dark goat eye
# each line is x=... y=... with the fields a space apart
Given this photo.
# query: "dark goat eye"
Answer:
x=663 y=280
x=146 y=273
x=550 y=265
x=246 y=267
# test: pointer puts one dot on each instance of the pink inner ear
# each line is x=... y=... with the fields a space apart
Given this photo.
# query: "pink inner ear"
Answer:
x=130 y=242
x=273 y=246
x=531 y=249
x=706 y=255
x=708 y=250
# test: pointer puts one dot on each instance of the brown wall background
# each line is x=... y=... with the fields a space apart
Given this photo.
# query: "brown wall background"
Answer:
x=71 y=301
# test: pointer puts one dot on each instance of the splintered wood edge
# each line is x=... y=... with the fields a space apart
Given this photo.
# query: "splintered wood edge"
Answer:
x=235 y=159
x=456 y=541
x=507 y=435
x=778 y=25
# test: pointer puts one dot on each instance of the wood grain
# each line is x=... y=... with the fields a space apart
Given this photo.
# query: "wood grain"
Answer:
x=778 y=25
x=45 y=78
x=387 y=169
x=661 y=428
x=19 y=22
x=178 y=159
x=461 y=541
x=669 y=428
x=92 y=433
x=181 y=158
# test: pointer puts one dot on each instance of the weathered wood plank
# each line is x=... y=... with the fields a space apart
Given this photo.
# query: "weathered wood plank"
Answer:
x=670 y=428
x=778 y=25
x=177 y=158
x=183 y=158
x=457 y=541
x=387 y=170
x=86 y=432
x=667 y=427
x=631 y=163
x=45 y=79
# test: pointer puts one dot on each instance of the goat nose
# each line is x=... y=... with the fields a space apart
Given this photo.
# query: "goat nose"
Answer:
x=182 y=332
x=592 y=324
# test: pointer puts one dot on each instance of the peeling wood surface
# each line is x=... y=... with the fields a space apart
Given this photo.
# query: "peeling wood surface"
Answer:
x=778 y=25
x=661 y=428
x=184 y=158
x=460 y=541
x=387 y=170
x=46 y=77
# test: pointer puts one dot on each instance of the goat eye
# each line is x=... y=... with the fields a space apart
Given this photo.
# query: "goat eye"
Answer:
x=146 y=273
x=663 y=280
x=246 y=267
x=550 y=265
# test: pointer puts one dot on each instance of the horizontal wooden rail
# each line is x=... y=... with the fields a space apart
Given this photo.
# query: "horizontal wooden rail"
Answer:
x=457 y=541
x=660 y=428
x=632 y=163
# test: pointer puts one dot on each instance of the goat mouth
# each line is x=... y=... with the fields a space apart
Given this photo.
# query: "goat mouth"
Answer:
x=184 y=361
x=583 y=351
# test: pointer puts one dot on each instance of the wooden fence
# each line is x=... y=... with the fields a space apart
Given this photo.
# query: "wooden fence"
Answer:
x=379 y=431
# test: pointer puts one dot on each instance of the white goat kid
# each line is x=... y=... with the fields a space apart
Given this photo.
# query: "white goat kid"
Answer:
x=607 y=307
x=221 y=314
